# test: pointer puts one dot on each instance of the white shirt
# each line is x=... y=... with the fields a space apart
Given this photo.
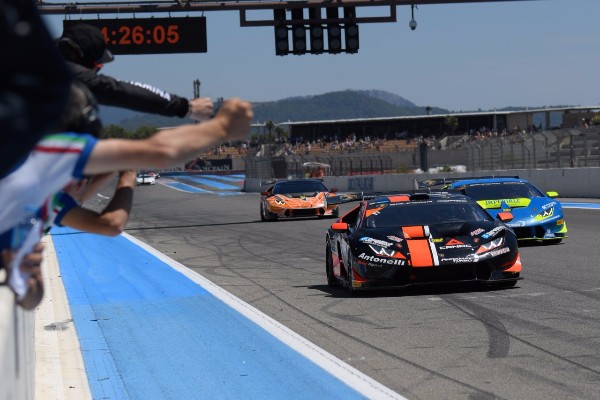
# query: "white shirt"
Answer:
x=55 y=160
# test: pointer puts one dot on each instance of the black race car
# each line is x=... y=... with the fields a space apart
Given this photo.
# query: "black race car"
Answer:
x=402 y=240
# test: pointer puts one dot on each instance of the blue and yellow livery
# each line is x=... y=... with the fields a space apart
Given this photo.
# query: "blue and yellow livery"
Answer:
x=537 y=215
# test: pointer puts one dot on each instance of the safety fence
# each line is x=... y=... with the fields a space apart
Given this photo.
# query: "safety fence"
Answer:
x=294 y=166
x=564 y=148
x=568 y=148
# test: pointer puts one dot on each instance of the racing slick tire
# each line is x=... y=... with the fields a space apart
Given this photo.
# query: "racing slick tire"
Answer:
x=266 y=216
x=349 y=288
x=331 y=280
x=262 y=213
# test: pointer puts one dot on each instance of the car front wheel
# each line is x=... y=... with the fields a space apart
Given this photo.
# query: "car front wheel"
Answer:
x=262 y=213
x=265 y=215
x=331 y=280
x=350 y=289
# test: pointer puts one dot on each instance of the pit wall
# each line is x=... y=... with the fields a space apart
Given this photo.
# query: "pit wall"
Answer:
x=568 y=182
x=17 y=357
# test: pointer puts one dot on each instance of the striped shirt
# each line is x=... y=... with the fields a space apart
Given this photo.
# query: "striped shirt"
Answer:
x=55 y=160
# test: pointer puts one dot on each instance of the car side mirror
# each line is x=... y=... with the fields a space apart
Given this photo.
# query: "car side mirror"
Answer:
x=339 y=227
x=264 y=193
x=552 y=194
x=505 y=216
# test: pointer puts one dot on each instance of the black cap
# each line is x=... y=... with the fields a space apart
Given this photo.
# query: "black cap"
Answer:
x=87 y=42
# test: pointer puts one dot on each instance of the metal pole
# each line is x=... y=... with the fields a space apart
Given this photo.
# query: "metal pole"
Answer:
x=196 y=88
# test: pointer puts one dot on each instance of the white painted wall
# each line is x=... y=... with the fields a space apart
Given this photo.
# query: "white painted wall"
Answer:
x=17 y=365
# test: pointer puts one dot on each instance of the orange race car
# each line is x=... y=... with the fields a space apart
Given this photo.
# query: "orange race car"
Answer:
x=297 y=198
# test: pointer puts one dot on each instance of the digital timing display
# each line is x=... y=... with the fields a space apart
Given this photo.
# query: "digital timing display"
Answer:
x=151 y=35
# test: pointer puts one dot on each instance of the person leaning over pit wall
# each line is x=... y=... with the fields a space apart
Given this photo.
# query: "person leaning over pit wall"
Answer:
x=65 y=207
x=34 y=81
x=84 y=49
x=57 y=159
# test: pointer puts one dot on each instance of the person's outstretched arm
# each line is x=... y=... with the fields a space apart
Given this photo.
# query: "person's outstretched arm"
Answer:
x=173 y=146
x=141 y=97
x=112 y=220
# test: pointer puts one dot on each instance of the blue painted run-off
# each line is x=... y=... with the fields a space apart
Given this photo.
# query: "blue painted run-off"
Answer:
x=210 y=182
x=148 y=332
x=226 y=178
x=186 y=188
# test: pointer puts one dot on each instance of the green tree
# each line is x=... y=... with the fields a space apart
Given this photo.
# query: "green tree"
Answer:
x=280 y=132
x=114 y=131
x=451 y=123
x=269 y=125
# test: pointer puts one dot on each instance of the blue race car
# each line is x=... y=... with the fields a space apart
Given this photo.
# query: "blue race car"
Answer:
x=537 y=215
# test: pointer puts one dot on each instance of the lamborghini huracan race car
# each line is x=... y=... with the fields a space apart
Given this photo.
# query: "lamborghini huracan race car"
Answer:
x=403 y=240
x=145 y=179
x=296 y=198
x=537 y=215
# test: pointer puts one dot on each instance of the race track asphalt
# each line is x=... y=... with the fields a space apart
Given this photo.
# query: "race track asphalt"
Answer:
x=538 y=340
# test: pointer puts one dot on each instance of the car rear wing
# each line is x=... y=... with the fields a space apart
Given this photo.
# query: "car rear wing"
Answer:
x=428 y=183
x=271 y=182
x=413 y=195
x=341 y=198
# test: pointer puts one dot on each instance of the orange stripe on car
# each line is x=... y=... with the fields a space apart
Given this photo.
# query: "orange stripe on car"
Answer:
x=420 y=253
x=396 y=199
x=413 y=232
x=372 y=211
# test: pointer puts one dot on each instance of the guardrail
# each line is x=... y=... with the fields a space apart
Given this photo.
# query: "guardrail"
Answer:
x=550 y=149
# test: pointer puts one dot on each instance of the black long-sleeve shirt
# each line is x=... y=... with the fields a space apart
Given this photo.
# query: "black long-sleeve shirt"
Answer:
x=131 y=95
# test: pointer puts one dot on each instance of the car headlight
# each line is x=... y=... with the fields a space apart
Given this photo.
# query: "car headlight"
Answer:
x=382 y=251
x=491 y=245
x=547 y=213
x=279 y=200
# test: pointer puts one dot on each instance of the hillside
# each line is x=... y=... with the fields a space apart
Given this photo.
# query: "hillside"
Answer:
x=346 y=104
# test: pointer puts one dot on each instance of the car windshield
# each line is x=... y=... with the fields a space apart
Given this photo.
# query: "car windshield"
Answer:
x=502 y=190
x=299 y=188
x=422 y=213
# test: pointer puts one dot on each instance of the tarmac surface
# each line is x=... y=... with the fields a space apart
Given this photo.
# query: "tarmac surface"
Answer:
x=537 y=340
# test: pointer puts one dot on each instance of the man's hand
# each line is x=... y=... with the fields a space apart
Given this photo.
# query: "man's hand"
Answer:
x=201 y=109
x=236 y=116
x=31 y=264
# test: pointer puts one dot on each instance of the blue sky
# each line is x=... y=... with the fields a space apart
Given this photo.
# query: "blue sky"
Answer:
x=461 y=57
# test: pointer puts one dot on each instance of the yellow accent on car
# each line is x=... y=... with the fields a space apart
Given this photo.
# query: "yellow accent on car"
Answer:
x=518 y=202
x=563 y=229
